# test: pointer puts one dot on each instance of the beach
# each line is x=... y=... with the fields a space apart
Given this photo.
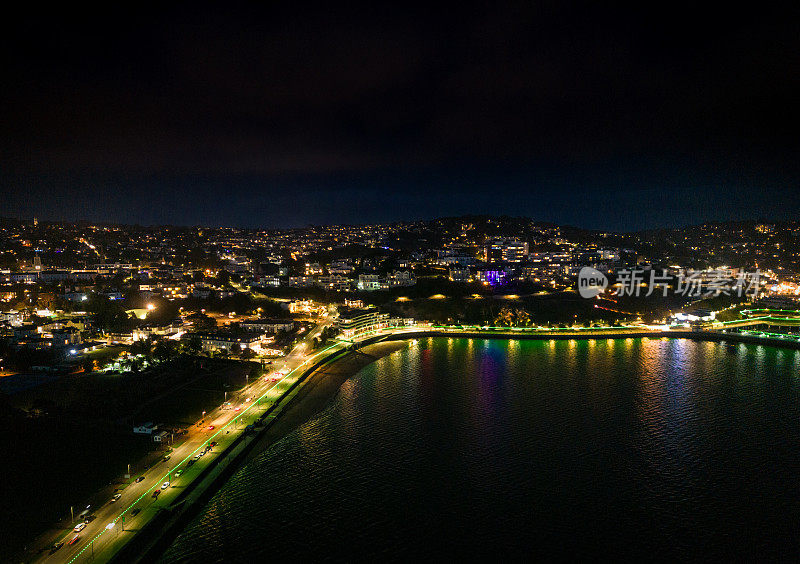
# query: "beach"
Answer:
x=320 y=387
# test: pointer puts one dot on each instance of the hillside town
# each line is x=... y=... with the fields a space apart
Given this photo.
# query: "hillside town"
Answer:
x=76 y=296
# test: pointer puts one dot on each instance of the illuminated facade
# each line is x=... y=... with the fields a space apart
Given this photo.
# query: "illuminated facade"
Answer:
x=505 y=250
x=353 y=323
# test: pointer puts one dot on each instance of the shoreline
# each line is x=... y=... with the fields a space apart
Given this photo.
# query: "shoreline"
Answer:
x=588 y=336
x=322 y=383
x=319 y=385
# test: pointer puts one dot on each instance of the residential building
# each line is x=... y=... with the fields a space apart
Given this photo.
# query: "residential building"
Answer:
x=369 y=282
x=355 y=322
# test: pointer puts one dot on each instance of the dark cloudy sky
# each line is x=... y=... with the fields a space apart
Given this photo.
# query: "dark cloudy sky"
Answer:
x=286 y=114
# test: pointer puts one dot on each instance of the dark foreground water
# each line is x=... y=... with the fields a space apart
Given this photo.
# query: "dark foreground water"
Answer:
x=457 y=448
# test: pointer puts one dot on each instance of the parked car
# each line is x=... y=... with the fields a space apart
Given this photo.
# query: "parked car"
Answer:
x=79 y=527
x=165 y=485
x=135 y=512
x=139 y=479
x=156 y=493
x=56 y=546
x=115 y=497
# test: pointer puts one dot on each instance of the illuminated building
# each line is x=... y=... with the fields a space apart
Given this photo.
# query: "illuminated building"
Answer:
x=354 y=322
x=505 y=250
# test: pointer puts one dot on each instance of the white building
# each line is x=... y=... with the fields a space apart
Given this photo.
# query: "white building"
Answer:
x=145 y=428
x=355 y=322
x=401 y=278
x=369 y=282
x=268 y=325
x=226 y=341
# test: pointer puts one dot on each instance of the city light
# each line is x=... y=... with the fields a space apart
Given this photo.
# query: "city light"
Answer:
x=522 y=240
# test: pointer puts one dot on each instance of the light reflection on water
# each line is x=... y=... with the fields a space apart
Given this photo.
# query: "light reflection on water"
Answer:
x=637 y=448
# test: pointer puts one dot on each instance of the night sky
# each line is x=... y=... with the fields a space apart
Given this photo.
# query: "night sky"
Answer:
x=285 y=115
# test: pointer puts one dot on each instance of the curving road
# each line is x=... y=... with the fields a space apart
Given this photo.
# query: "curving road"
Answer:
x=115 y=523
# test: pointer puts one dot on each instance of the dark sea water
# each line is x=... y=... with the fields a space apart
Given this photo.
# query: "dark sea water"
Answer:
x=491 y=449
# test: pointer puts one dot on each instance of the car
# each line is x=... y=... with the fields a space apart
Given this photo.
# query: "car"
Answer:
x=79 y=527
x=178 y=473
x=167 y=458
x=55 y=547
x=139 y=479
x=210 y=427
x=88 y=518
x=135 y=512
x=115 y=497
x=165 y=485
x=74 y=540
x=156 y=493
x=192 y=461
x=212 y=444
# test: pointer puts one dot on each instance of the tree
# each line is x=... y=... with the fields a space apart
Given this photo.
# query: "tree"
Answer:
x=194 y=344
x=164 y=351
x=202 y=321
x=109 y=315
x=142 y=346
x=509 y=317
x=88 y=365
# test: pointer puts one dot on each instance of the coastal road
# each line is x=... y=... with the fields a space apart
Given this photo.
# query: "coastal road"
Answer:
x=115 y=522
x=221 y=425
